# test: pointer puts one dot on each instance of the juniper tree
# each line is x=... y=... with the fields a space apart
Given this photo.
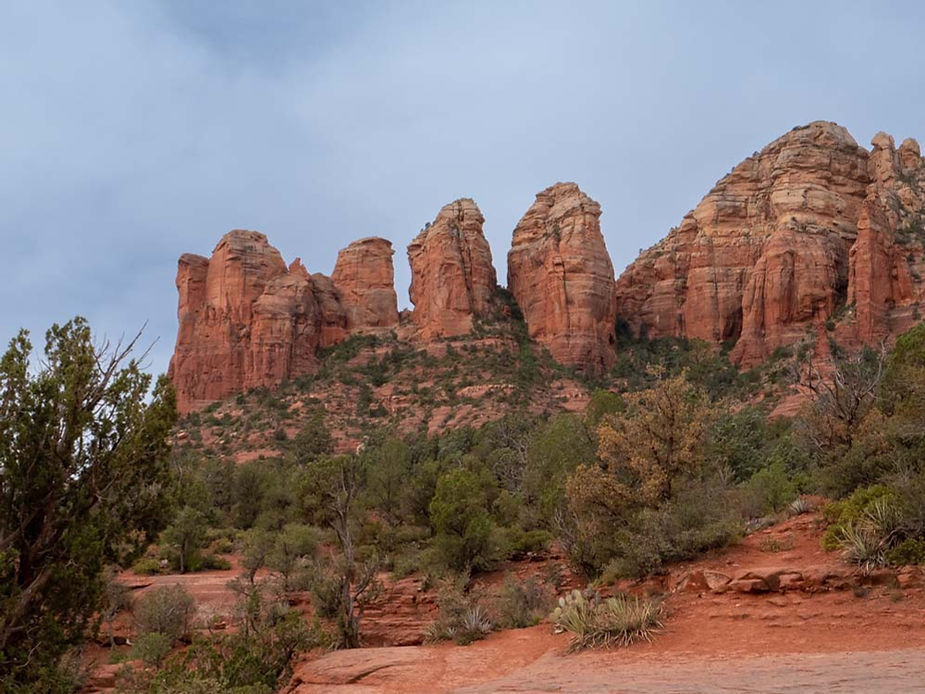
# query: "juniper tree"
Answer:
x=83 y=483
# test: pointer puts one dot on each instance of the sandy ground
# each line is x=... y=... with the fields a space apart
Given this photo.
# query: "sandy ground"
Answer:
x=807 y=640
x=869 y=640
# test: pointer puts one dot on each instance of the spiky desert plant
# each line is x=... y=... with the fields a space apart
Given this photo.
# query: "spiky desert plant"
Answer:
x=475 y=625
x=574 y=612
x=862 y=546
x=801 y=505
x=866 y=541
x=616 y=621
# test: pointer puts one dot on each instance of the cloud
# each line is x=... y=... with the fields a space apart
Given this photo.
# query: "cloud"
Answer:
x=133 y=132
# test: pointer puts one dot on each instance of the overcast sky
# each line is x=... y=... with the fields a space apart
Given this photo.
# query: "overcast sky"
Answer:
x=132 y=131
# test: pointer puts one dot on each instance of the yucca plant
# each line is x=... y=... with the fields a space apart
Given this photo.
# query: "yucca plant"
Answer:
x=862 y=546
x=475 y=625
x=616 y=621
x=866 y=541
x=801 y=505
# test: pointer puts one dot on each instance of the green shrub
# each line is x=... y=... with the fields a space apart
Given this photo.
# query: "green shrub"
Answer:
x=851 y=511
x=462 y=523
x=472 y=625
x=909 y=551
x=213 y=562
x=147 y=566
x=616 y=621
x=254 y=660
x=515 y=542
x=701 y=518
x=522 y=604
x=327 y=591
x=152 y=648
x=461 y=618
x=769 y=490
x=166 y=610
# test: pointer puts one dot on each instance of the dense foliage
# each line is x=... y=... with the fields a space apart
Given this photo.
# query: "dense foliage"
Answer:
x=673 y=455
x=83 y=482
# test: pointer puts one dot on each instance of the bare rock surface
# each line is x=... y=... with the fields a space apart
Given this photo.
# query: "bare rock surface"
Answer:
x=453 y=280
x=812 y=228
x=561 y=276
x=365 y=281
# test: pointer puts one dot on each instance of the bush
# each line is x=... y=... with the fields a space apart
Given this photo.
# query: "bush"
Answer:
x=909 y=551
x=213 y=562
x=152 y=648
x=517 y=542
x=147 y=566
x=461 y=618
x=253 y=660
x=462 y=523
x=701 y=518
x=851 y=512
x=327 y=591
x=522 y=604
x=167 y=610
x=617 y=621
x=769 y=490
x=473 y=625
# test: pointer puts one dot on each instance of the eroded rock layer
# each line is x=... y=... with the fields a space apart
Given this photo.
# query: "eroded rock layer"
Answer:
x=562 y=279
x=801 y=233
x=453 y=280
x=247 y=320
x=365 y=279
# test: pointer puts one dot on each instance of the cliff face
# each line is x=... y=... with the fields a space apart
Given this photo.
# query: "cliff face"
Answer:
x=561 y=277
x=452 y=276
x=247 y=320
x=813 y=234
x=365 y=279
x=793 y=234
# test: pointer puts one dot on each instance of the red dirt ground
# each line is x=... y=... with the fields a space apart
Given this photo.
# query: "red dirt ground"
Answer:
x=833 y=635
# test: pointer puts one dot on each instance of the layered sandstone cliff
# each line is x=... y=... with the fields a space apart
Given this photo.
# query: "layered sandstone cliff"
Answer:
x=814 y=234
x=247 y=320
x=796 y=234
x=562 y=279
x=365 y=279
x=453 y=280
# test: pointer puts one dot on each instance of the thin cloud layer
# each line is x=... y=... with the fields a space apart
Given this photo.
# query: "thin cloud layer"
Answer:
x=133 y=132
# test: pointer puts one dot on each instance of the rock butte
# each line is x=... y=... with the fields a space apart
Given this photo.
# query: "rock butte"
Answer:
x=812 y=234
x=365 y=279
x=562 y=279
x=810 y=229
x=453 y=281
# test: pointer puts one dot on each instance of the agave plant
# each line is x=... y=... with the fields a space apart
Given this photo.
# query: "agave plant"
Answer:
x=866 y=542
x=617 y=621
x=801 y=505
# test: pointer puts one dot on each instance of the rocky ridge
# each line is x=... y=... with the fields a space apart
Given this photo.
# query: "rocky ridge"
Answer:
x=812 y=228
x=812 y=236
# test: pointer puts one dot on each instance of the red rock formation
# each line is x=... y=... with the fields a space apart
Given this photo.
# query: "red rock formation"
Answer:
x=780 y=244
x=246 y=320
x=561 y=277
x=452 y=277
x=887 y=260
x=365 y=281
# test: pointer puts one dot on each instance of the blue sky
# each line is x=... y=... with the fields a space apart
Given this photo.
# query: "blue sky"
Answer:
x=133 y=131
